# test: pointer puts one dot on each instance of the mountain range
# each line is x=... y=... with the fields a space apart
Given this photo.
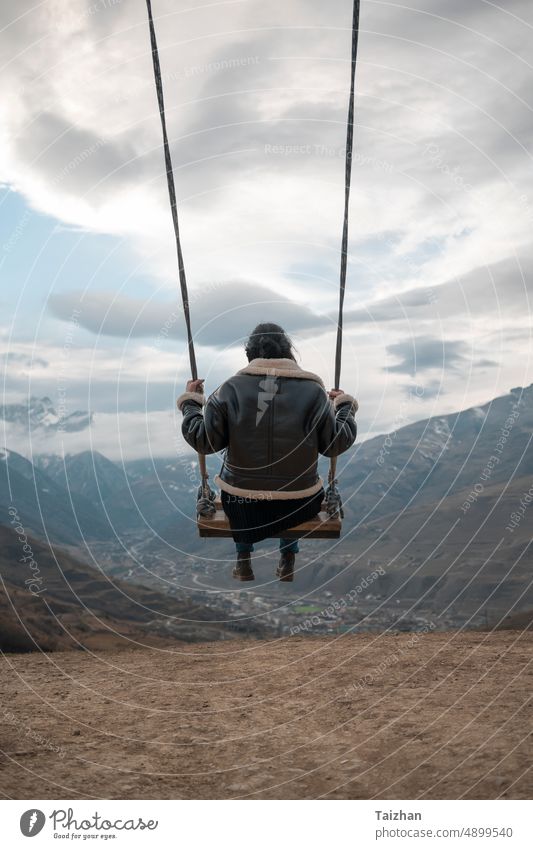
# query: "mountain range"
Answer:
x=44 y=506
x=431 y=502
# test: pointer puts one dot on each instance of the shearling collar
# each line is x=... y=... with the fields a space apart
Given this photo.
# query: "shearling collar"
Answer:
x=283 y=367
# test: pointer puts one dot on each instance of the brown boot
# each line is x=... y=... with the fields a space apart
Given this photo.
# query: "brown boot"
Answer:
x=242 y=570
x=285 y=570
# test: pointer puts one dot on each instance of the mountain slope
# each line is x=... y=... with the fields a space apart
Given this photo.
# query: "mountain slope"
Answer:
x=140 y=494
x=430 y=459
x=50 y=600
x=88 y=473
x=44 y=507
x=436 y=556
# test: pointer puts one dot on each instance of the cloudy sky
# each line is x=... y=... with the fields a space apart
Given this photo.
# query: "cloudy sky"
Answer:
x=438 y=315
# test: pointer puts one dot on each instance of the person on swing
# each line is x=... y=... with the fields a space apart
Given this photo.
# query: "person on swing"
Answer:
x=273 y=419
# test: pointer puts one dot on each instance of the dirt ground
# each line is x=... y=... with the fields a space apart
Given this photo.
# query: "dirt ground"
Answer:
x=360 y=716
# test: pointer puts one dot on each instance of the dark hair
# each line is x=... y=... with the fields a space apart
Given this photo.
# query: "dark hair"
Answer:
x=269 y=341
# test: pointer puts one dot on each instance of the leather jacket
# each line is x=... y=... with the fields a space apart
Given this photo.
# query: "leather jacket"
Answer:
x=272 y=419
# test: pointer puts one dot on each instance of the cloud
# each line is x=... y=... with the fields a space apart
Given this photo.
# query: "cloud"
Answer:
x=256 y=97
x=222 y=314
x=501 y=291
x=396 y=308
x=118 y=435
x=18 y=360
x=275 y=77
x=428 y=391
x=77 y=160
x=423 y=353
x=131 y=377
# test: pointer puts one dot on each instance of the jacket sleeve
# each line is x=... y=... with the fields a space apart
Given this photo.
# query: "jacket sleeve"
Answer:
x=337 y=430
x=204 y=430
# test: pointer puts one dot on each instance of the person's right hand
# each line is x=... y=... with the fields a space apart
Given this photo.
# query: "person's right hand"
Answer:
x=334 y=392
x=195 y=385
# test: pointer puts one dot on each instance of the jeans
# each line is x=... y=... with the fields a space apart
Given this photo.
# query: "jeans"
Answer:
x=290 y=545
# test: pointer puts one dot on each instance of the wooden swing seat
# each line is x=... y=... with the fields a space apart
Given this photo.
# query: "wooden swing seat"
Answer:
x=321 y=527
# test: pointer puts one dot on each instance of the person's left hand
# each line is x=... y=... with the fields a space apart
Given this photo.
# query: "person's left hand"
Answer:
x=334 y=392
x=195 y=385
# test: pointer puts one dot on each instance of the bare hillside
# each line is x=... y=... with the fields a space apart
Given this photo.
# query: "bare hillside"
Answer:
x=50 y=600
x=440 y=715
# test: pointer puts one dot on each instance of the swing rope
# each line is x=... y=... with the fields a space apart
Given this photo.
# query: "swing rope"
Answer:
x=332 y=496
x=206 y=496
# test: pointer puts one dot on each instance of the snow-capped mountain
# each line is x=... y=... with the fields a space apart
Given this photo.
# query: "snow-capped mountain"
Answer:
x=39 y=414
